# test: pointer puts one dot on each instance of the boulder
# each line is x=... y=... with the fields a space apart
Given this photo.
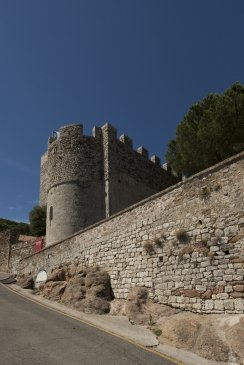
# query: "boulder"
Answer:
x=135 y=305
x=95 y=276
x=57 y=275
x=235 y=337
x=72 y=271
x=98 y=284
x=53 y=290
x=88 y=290
x=210 y=345
x=180 y=330
x=100 y=291
x=74 y=291
x=28 y=283
x=93 y=305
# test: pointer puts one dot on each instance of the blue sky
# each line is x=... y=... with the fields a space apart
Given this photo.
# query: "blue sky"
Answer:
x=138 y=64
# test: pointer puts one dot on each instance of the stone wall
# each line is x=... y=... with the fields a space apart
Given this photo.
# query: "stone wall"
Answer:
x=185 y=244
x=12 y=250
x=19 y=250
x=5 y=238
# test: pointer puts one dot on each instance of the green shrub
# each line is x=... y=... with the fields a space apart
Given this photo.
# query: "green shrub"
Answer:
x=157 y=332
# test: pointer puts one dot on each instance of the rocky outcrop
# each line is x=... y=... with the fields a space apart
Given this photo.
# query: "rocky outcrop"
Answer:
x=235 y=336
x=25 y=281
x=88 y=289
x=217 y=337
x=28 y=283
x=194 y=333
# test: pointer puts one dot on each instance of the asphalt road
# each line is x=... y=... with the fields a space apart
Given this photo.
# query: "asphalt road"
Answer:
x=34 y=335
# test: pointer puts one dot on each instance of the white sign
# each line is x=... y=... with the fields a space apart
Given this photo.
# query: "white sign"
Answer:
x=41 y=278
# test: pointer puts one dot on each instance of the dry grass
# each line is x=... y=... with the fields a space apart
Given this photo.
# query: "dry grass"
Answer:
x=200 y=247
x=148 y=247
x=217 y=187
x=187 y=250
x=202 y=250
x=182 y=236
x=205 y=193
x=159 y=239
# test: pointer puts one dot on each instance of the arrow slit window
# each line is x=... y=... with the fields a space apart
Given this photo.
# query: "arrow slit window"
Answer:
x=51 y=213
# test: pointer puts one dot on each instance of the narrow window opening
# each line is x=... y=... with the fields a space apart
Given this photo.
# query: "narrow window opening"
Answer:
x=51 y=213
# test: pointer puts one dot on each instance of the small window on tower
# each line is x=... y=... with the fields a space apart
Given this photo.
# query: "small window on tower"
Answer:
x=51 y=213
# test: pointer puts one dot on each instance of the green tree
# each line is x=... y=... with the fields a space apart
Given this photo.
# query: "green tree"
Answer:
x=23 y=228
x=37 y=218
x=211 y=131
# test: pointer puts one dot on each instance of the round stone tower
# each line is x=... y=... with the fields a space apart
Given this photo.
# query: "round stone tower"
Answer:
x=73 y=184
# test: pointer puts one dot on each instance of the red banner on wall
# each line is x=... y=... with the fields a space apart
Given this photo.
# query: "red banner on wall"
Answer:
x=38 y=244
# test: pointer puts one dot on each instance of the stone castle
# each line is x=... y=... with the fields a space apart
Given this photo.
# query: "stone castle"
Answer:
x=184 y=243
x=85 y=179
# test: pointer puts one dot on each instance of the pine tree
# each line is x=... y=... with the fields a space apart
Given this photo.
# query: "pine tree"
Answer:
x=211 y=131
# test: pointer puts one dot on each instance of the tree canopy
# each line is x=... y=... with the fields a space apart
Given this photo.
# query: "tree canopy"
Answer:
x=23 y=228
x=37 y=218
x=211 y=131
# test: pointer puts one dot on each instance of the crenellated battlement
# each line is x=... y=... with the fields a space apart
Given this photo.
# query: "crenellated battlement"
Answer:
x=107 y=132
x=111 y=133
x=155 y=159
x=97 y=132
x=86 y=178
x=127 y=141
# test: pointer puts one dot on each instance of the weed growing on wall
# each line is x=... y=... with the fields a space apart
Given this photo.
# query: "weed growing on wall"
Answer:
x=217 y=187
x=182 y=236
x=205 y=193
x=148 y=247
x=159 y=239
x=187 y=250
